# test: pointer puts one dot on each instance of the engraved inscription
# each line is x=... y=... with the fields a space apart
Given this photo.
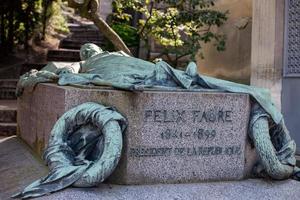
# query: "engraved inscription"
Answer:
x=183 y=116
x=144 y=152
x=211 y=116
x=197 y=120
x=185 y=151
x=165 y=116
x=199 y=133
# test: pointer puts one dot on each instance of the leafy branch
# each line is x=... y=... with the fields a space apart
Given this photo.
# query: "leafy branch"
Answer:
x=179 y=27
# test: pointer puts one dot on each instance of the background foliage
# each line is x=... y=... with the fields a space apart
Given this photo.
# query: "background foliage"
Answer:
x=20 y=19
x=179 y=26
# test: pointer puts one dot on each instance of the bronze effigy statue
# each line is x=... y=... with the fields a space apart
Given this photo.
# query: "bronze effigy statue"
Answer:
x=78 y=155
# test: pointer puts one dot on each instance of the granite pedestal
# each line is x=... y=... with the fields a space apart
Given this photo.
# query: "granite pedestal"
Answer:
x=172 y=137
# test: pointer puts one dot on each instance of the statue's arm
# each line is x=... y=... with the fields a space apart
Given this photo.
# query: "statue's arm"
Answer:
x=50 y=73
x=62 y=67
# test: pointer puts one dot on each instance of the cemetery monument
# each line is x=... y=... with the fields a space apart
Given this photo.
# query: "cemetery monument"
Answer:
x=181 y=126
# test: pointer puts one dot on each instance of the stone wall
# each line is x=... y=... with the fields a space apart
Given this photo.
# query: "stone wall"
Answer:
x=234 y=63
x=105 y=8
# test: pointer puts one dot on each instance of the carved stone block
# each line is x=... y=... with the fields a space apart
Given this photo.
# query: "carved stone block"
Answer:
x=172 y=136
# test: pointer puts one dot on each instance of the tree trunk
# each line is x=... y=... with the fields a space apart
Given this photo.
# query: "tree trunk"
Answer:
x=27 y=27
x=10 y=37
x=110 y=34
x=91 y=9
x=2 y=32
x=46 y=4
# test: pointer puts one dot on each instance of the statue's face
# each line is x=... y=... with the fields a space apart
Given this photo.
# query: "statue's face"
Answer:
x=88 y=50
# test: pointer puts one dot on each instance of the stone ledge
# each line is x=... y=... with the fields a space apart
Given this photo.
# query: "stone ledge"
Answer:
x=8 y=129
x=231 y=190
x=19 y=172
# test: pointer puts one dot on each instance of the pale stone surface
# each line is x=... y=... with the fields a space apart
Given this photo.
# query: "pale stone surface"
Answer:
x=164 y=128
x=246 y=190
x=105 y=8
x=267 y=62
x=19 y=167
x=235 y=62
x=267 y=46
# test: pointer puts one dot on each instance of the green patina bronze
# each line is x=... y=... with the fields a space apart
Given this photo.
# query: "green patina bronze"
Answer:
x=84 y=148
x=119 y=70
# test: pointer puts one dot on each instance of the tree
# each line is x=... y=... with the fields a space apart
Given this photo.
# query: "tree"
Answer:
x=90 y=10
x=179 y=26
x=18 y=21
x=20 y=18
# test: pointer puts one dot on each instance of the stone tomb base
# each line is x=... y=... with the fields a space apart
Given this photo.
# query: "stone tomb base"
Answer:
x=172 y=137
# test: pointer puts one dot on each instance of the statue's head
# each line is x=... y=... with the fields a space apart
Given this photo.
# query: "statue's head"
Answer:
x=88 y=50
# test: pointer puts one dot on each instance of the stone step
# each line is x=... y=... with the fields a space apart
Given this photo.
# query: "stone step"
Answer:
x=8 y=88
x=8 y=83
x=76 y=44
x=8 y=111
x=63 y=55
x=8 y=129
x=80 y=28
x=26 y=67
x=7 y=93
x=90 y=35
x=10 y=66
x=8 y=116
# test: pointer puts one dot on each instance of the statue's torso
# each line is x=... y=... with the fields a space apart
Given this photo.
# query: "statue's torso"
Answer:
x=114 y=65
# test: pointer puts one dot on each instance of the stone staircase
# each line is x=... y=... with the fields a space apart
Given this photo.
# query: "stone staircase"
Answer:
x=81 y=34
x=69 y=47
x=8 y=117
x=68 y=51
x=8 y=107
x=7 y=89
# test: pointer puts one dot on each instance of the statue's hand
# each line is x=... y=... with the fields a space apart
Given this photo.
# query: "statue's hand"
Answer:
x=32 y=78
